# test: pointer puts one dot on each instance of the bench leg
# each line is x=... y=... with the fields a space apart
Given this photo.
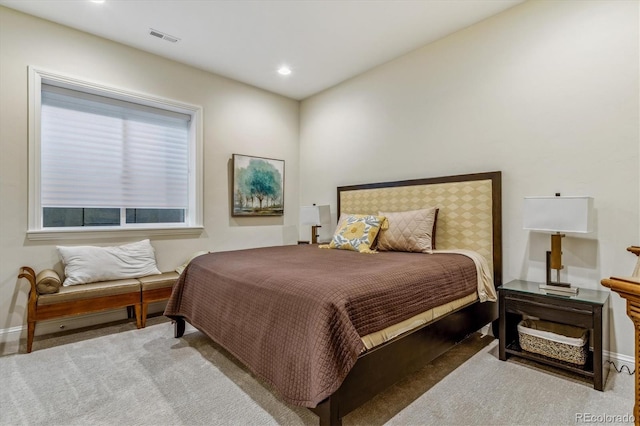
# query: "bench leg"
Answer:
x=145 y=309
x=131 y=312
x=139 y=318
x=31 y=331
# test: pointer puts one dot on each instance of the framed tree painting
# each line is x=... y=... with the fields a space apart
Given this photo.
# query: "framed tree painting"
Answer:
x=258 y=186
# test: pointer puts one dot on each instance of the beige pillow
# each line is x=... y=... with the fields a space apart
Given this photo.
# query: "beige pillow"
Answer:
x=182 y=267
x=410 y=231
x=48 y=282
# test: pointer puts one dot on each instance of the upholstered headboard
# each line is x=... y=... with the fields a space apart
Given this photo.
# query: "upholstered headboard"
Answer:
x=470 y=209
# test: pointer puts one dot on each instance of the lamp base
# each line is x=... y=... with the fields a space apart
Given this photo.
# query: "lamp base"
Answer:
x=549 y=281
x=557 y=287
x=559 y=290
x=557 y=284
x=314 y=234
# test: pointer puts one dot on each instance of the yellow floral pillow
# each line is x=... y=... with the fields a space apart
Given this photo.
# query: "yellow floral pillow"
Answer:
x=357 y=232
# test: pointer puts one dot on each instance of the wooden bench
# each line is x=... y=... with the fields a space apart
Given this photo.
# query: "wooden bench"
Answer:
x=155 y=288
x=95 y=297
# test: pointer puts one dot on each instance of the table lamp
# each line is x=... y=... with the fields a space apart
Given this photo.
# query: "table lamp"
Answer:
x=315 y=216
x=558 y=215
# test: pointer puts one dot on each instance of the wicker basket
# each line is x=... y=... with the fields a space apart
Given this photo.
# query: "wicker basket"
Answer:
x=559 y=341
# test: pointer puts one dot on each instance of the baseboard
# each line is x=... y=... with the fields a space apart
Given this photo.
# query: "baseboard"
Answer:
x=10 y=337
x=621 y=360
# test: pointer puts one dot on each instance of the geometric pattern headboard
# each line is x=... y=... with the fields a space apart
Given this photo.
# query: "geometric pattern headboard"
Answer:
x=469 y=215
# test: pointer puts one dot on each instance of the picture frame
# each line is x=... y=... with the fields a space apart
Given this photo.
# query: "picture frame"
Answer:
x=258 y=186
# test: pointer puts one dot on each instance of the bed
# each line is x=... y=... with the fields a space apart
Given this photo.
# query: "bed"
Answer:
x=329 y=329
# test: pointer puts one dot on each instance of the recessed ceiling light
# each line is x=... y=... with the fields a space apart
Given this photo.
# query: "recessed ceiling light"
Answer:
x=284 y=70
x=97 y=1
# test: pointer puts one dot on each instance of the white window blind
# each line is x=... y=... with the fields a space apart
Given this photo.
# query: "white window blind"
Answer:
x=101 y=152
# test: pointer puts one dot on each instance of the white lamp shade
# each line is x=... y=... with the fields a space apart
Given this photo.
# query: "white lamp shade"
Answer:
x=558 y=214
x=315 y=215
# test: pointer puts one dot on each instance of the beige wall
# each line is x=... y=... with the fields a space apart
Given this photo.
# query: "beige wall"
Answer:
x=546 y=92
x=237 y=119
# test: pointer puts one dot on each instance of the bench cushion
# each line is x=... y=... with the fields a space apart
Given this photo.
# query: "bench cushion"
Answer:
x=89 y=291
x=164 y=280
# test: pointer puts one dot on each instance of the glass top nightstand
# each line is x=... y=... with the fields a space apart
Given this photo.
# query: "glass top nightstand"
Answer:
x=584 y=294
x=589 y=309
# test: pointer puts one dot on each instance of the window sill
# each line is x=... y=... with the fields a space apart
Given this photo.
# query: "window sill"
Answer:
x=97 y=233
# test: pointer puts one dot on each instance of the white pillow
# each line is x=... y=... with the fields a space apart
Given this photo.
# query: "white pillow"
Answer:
x=88 y=264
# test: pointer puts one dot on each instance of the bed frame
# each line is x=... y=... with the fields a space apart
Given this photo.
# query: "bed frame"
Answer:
x=470 y=217
x=384 y=365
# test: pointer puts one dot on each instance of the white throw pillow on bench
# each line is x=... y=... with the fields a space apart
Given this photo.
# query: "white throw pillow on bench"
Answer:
x=88 y=264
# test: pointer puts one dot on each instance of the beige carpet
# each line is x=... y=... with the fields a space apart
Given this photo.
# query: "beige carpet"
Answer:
x=117 y=375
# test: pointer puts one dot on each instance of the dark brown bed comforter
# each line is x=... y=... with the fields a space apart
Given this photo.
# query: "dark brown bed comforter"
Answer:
x=294 y=314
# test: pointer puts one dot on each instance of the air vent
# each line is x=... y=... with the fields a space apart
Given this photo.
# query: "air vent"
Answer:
x=163 y=36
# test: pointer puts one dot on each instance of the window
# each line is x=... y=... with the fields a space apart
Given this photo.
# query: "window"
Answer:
x=108 y=160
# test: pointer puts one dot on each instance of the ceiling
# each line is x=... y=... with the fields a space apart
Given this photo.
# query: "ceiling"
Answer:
x=324 y=42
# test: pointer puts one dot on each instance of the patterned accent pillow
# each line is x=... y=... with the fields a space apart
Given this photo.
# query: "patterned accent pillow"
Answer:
x=410 y=231
x=357 y=232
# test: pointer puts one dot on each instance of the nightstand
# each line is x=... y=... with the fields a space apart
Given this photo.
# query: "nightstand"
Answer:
x=588 y=309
